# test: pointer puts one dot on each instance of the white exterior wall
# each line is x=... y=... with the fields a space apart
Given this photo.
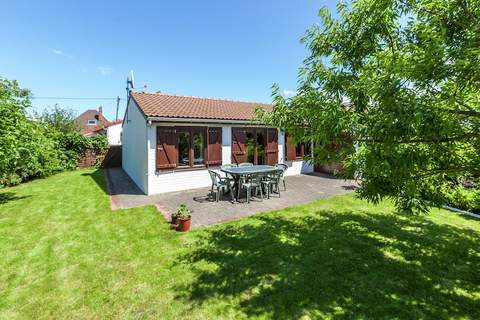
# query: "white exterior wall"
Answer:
x=114 y=134
x=177 y=180
x=281 y=147
x=226 y=144
x=134 y=146
x=298 y=167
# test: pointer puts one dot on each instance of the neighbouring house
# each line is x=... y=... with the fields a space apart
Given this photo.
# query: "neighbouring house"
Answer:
x=114 y=132
x=169 y=141
x=92 y=122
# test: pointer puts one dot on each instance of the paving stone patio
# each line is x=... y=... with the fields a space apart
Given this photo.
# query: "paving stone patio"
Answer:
x=300 y=189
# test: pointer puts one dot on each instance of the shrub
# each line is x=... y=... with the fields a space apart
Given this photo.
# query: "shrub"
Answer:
x=25 y=149
x=74 y=144
x=36 y=148
x=465 y=198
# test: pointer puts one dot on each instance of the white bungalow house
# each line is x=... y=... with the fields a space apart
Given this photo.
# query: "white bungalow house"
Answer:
x=170 y=141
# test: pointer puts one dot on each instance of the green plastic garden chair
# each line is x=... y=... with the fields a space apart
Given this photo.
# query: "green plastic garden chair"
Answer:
x=252 y=183
x=284 y=168
x=220 y=185
x=272 y=183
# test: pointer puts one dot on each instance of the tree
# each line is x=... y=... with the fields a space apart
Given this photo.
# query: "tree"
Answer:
x=33 y=148
x=61 y=119
x=25 y=151
x=401 y=80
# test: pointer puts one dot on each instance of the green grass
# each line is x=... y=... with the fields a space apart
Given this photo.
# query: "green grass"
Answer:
x=65 y=254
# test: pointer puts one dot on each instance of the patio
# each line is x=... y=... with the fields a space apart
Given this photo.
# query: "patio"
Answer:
x=300 y=189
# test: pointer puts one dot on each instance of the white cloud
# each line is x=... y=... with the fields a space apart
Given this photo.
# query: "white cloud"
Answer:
x=104 y=70
x=59 y=52
x=288 y=93
x=56 y=51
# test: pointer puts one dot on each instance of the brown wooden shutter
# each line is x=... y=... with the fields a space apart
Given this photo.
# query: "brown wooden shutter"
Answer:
x=166 y=148
x=290 y=152
x=214 y=149
x=238 y=145
x=272 y=146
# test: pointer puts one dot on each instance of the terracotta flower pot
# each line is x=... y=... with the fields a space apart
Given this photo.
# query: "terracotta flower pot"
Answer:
x=184 y=224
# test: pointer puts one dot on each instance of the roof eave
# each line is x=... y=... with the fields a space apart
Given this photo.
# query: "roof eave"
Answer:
x=202 y=120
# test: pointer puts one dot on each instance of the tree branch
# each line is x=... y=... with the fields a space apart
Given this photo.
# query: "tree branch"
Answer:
x=469 y=113
x=473 y=170
x=429 y=140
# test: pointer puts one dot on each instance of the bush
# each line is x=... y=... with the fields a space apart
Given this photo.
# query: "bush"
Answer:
x=465 y=198
x=74 y=144
x=36 y=148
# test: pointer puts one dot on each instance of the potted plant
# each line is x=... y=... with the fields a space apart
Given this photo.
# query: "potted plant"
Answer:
x=174 y=217
x=184 y=218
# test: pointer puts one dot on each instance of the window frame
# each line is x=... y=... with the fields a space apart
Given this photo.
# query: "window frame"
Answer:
x=300 y=146
x=95 y=122
x=191 y=131
x=254 y=131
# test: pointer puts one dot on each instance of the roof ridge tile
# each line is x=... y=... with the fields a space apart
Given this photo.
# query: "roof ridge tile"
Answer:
x=199 y=97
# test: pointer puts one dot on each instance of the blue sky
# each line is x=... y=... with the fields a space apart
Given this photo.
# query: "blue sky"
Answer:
x=227 y=49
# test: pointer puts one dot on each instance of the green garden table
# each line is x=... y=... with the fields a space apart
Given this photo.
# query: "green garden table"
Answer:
x=238 y=172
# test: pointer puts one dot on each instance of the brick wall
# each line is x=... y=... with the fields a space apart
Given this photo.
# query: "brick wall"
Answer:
x=90 y=158
x=110 y=158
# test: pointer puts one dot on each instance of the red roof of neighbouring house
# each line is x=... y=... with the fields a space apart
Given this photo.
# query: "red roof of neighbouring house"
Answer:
x=112 y=123
x=173 y=106
x=82 y=121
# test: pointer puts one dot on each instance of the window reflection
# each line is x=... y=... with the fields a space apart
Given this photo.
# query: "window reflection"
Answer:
x=183 y=148
x=198 y=148
x=260 y=147
x=299 y=150
x=250 y=147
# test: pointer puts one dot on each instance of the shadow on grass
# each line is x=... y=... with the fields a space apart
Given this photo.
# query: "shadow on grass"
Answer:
x=99 y=176
x=6 y=197
x=338 y=265
x=118 y=181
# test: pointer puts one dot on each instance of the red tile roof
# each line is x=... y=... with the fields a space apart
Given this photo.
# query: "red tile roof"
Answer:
x=82 y=121
x=112 y=123
x=173 y=106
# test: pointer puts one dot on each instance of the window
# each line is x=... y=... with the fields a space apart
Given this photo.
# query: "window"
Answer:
x=248 y=145
x=261 y=146
x=296 y=151
x=308 y=149
x=184 y=149
x=191 y=146
x=92 y=122
x=187 y=147
x=198 y=146
x=299 y=150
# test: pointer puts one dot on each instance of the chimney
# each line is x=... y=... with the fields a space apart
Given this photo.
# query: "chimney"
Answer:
x=100 y=110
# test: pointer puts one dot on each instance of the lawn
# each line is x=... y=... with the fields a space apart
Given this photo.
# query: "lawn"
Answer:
x=65 y=254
